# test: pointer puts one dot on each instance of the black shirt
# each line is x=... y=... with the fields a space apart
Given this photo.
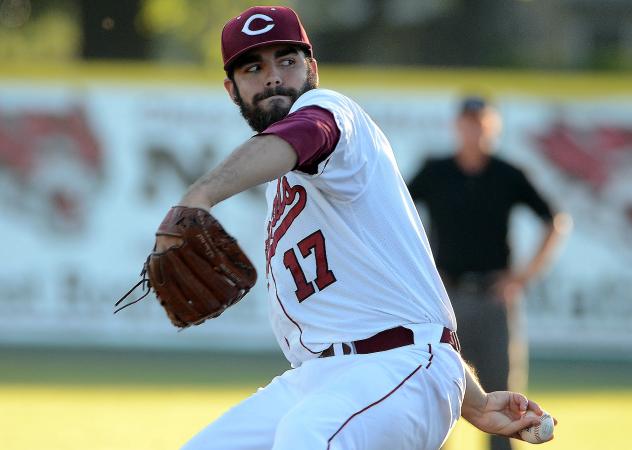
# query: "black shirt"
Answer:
x=469 y=213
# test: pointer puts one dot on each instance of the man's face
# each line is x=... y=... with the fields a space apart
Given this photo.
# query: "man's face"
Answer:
x=478 y=129
x=268 y=80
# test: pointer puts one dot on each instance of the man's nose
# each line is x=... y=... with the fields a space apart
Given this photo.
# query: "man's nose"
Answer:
x=273 y=78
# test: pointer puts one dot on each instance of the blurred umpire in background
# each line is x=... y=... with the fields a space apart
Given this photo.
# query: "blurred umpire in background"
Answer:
x=469 y=197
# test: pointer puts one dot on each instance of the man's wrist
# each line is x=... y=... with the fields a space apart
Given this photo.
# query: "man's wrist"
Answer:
x=196 y=200
x=474 y=408
x=523 y=277
x=475 y=399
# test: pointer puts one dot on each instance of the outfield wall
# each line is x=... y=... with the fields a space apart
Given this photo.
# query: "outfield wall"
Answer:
x=92 y=157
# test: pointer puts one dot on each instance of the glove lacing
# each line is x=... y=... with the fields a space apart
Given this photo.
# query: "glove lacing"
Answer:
x=145 y=285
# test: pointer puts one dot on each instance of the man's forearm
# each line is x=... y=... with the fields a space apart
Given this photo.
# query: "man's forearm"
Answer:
x=475 y=397
x=550 y=241
x=258 y=160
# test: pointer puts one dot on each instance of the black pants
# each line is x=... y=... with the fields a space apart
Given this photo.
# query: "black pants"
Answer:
x=492 y=340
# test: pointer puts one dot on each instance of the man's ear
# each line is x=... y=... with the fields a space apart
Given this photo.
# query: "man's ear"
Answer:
x=314 y=66
x=229 y=85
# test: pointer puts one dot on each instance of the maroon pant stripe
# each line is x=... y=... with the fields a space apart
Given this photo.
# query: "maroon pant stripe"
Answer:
x=371 y=405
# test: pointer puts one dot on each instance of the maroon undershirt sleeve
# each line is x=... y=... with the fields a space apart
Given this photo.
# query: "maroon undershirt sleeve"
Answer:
x=313 y=134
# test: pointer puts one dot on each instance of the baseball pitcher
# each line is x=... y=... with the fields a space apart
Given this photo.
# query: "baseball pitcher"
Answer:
x=355 y=300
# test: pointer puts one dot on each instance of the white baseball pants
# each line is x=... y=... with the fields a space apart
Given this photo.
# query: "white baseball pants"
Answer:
x=402 y=399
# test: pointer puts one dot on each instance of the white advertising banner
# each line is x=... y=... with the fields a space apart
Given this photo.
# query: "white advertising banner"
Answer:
x=87 y=174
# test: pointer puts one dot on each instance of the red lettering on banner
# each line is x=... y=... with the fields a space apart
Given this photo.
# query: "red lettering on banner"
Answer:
x=286 y=195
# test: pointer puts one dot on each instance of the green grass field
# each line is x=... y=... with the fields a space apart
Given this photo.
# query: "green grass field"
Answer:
x=107 y=400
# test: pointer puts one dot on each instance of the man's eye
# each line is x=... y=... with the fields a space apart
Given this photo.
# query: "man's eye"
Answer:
x=253 y=68
x=288 y=62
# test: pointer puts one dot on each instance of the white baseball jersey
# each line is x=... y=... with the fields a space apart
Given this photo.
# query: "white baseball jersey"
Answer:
x=347 y=256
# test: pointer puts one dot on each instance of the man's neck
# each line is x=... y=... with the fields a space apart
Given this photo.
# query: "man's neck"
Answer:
x=471 y=160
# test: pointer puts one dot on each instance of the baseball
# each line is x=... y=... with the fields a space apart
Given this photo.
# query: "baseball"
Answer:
x=540 y=433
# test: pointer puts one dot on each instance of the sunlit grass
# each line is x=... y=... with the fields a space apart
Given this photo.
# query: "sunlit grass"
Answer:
x=98 y=399
x=157 y=418
x=107 y=418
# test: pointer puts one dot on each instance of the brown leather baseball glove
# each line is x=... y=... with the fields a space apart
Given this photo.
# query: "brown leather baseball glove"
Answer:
x=200 y=278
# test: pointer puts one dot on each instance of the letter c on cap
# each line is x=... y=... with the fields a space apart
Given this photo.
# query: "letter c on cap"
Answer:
x=246 y=29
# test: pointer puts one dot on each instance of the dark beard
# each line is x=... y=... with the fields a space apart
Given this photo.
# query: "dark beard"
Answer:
x=260 y=119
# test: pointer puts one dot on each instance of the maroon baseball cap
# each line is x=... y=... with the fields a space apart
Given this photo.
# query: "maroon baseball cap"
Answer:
x=259 y=26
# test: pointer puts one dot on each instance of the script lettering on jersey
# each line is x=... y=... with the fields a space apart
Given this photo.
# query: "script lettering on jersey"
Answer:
x=286 y=196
